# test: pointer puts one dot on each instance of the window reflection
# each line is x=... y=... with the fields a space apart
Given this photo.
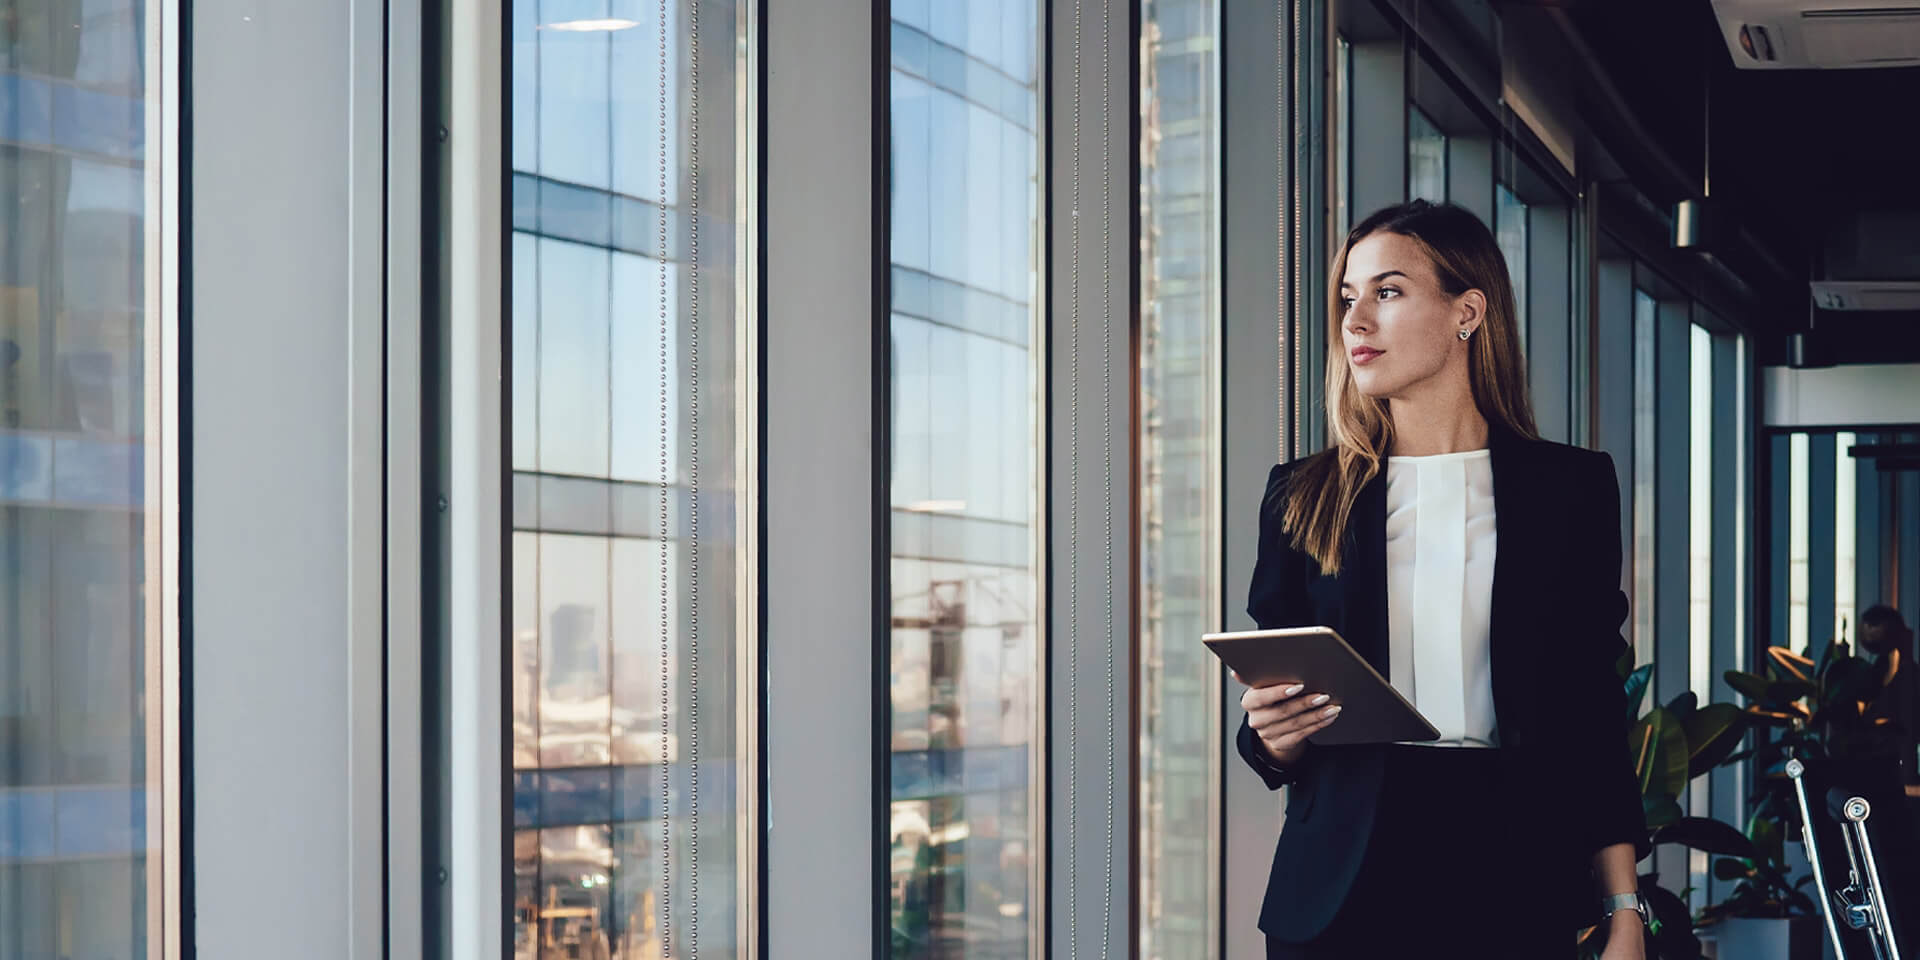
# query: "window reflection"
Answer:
x=964 y=409
x=614 y=604
x=1645 y=413
x=78 y=857
x=1510 y=231
x=1426 y=158
x=1179 y=366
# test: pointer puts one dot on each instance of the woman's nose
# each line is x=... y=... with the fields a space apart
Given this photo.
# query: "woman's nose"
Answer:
x=1359 y=318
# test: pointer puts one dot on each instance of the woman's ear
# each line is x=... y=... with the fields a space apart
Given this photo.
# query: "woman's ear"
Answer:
x=1472 y=310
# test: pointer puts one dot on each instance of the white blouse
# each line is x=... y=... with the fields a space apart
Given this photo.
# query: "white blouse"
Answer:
x=1440 y=549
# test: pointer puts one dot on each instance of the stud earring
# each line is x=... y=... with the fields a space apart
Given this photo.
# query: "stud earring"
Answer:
x=1464 y=334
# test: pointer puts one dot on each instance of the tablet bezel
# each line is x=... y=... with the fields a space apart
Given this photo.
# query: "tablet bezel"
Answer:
x=1377 y=713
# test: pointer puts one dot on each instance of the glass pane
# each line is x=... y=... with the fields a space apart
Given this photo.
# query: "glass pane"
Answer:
x=1426 y=158
x=1646 y=313
x=627 y=416
x=1342 y=135
x=1799 y=560
x=79 y=723
x=1700 y=515
x=1510 y=230
x=964 y=396
x=1179 y=370
x=1845 y=536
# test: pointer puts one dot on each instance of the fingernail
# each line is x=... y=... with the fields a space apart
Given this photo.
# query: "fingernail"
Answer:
x=1323 y=698
x=1331 y=712
x=1296 y=688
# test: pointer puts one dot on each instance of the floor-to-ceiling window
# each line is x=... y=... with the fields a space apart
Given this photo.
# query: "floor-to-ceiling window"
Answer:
x=964 y=407
x=1700 y=483
x=1179 y=456
x=1640 y=556
x=628 y=328
x=1845 y=537
x=1510 y=232
x=83 y=702
x=1426 y=158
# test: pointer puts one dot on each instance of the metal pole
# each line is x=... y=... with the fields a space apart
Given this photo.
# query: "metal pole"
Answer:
x=1795 y=769
x=1857 y=811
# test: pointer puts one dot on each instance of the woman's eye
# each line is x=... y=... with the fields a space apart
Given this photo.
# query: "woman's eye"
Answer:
x=1388 y=292
x=1346 y=303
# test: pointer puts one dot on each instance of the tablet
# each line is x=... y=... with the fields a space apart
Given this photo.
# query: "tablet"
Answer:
x=1319 y=658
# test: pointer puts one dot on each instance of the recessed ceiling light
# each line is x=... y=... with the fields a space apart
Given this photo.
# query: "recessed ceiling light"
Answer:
x=606 y=25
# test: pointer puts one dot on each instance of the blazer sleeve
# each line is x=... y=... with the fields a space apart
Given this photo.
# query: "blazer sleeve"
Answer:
x=1604 y=761
x=1276 y=598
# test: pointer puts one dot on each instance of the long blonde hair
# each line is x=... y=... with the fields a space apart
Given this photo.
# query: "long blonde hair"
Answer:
x=1321 y=491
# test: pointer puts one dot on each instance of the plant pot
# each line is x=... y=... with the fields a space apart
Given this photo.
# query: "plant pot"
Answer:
x=1764 y=938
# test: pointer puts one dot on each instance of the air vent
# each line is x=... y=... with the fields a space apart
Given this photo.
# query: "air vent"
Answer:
x=1866 y=295
x=1820 y=34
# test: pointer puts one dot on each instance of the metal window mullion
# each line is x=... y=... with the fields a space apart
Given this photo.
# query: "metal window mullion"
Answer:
x=405 y=483
x=478 y=737
x=1257 y=400
x=1092 y=117
x=824 y=554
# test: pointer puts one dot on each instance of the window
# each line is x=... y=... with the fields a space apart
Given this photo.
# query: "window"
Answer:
x=1426 y=158
x=628 y=321
x=1845 y=537
x=1342 y=145
x=1646 y=315
x=1510 y=230
x=1180 y=426
x=1799 y=559
x=1700 y=517
x=965 y=658
x=86 y=772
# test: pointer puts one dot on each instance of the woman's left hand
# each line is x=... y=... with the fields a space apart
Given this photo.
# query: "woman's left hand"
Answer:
x=1627 y=937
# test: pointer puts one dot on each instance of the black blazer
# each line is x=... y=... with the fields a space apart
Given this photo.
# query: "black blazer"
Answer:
x=1554 y=636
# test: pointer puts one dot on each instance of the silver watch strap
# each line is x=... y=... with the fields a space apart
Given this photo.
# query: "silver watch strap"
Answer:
x=1624 y=901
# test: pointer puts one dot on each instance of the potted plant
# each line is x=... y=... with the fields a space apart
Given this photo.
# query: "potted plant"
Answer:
x=1672 y=745
x=1816 y=711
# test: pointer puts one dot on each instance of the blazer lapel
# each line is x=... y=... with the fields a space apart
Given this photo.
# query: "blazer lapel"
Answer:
x=1363 y=574
x=1513 y=518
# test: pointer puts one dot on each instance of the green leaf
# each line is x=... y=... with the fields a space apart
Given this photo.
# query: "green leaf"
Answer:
x=1793 y=664
x=1637 y=690
x=1772 y=718
x=1725 y=869
x=1712 y=733
x=1660 y=810
x=1684 y=705
x=1787 y=691
x=1623 y=664
x=1659 y=746
x=1707 y=835
x=1675 y=937
x=1767 y=839
x=1752 y=687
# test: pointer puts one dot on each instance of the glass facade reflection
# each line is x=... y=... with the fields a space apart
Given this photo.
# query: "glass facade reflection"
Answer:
x=964 y=400
x=78 y=720
x=1180 y=194
x=628 y=325
x=1426 y=158
x=1646 y=314
x=1510 y=232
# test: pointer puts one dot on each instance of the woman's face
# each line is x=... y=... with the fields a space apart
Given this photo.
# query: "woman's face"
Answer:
x=1401 y=329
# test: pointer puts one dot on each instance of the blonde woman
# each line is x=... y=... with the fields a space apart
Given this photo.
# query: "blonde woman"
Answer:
x=1478 y=568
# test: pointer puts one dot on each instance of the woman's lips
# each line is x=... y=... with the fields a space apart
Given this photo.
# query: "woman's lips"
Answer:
x=1365 y=355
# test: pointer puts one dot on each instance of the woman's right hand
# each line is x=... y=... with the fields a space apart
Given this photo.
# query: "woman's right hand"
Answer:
x=1283 y=717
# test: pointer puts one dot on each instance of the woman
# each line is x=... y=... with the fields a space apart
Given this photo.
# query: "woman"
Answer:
x=1523 y=825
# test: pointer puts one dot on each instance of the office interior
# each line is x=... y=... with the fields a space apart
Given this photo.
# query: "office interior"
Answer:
x=550 y=479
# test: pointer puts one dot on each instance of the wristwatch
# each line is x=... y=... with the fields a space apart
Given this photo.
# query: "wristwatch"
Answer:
x=1625 y=901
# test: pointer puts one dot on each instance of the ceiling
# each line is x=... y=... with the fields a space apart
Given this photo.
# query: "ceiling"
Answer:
x=1821 y=167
